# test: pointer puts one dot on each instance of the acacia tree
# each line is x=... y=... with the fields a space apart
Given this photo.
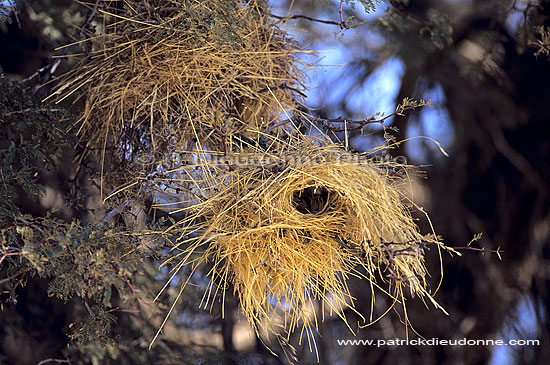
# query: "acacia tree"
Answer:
x=73 y=256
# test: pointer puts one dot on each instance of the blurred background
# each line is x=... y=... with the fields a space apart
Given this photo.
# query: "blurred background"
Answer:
x=485 y=64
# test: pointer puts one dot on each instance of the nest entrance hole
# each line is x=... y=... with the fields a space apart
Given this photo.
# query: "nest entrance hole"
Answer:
x=312 y=200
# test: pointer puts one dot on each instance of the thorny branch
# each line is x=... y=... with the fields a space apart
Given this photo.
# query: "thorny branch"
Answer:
x=299 y=16
x=342 y=23
x=424 y=244
x=351 y=125
x=483 y=250
x=414 y=248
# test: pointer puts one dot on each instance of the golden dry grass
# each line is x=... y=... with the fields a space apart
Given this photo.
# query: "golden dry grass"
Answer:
x=291 y=230
x=155 y=78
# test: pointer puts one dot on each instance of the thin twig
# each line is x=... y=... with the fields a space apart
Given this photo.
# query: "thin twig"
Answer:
x=114 y=212
x=342 y=24
x=282 y=86
x=15 y=13
x=9 y=278
x=89 y=309
x=260 y=264
x=299 y=16
x=498 y=251
x=406 y=15
x=224 y=138
x=9 y=254
x=326 y=123
x=340 y=11
x=88 y=20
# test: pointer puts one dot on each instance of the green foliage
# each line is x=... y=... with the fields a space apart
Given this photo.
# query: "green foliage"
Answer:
x=435 y=25
x=95 y=330
x=81 y=261
x=439 y=29
x=29 y=136
x=5 y=12
x=369 y=5
x=542 y=44
x=217 y=21
x=407 y=104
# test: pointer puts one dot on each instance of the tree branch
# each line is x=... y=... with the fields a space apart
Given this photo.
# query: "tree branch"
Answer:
x=299 y=16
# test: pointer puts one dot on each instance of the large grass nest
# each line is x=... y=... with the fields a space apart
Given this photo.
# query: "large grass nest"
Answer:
x=156 y=76
x=289 y=228
x=284 y=230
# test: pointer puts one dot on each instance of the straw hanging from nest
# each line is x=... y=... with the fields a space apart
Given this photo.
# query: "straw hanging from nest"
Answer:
x=293 y=230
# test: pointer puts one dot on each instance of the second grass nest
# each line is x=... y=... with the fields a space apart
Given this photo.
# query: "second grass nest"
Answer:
x=156 y=76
